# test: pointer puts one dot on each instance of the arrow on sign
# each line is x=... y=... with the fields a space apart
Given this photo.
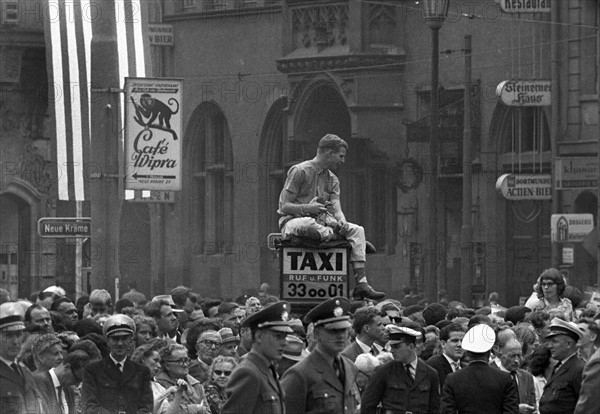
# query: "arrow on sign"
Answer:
x=168 y=177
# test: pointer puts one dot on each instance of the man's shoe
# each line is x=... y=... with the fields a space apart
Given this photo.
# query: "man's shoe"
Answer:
x=370 y=249
x=363 y=290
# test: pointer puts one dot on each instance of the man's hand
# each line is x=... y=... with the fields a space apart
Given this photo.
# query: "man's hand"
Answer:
x=526 y=409
x=314 y=207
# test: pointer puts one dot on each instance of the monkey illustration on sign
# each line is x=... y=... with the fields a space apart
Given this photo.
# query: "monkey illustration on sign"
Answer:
x=152 y=108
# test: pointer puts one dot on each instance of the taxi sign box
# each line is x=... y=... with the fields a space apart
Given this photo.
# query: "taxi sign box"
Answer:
x=569 y=228
x=309 y=275
x=62 y=227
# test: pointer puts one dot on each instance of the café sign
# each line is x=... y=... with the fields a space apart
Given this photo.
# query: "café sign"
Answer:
x=525 y=186
x=524 y=6
x=525 y=93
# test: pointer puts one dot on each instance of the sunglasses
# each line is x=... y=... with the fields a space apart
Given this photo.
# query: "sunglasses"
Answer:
x=219 y=372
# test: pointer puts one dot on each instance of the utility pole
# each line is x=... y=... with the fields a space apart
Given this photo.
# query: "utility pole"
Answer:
x=466 y=233
x=104 y=186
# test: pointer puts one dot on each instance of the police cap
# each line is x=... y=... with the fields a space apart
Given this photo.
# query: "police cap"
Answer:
x=118 y=324
x=274 y=317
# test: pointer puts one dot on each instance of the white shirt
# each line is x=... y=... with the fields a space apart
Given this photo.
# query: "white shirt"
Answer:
x=122 y=362
x=363 y=346
x=60 y=394
x=452 y=363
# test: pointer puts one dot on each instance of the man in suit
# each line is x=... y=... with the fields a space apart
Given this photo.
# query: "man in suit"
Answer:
x=56 y=385
x=589 y=397
x=324 y=381
x=563 y=387
x=18 y=391
x=509 y=357
x=254 y=387
x=479 y=388
x=116 y=383
x=448 y=361
x=368 y=327
x=406 y=384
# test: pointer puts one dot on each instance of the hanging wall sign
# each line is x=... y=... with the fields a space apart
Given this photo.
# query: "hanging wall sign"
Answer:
x=152 y=134
x=524 y=6
x=525 y=93
x=525 y=186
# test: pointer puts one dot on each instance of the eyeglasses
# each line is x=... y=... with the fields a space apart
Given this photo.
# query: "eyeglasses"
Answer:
x=548 y=284
x=219 y=372
x=183 y=361
x=210 y=344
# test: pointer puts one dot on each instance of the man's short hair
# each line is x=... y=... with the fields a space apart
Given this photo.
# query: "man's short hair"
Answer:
x=55 y=305
x=44 y=343
x=331 y=142
x=100 y=297
x=538 y=318
x=31 y=309
x=89 y=347
x=180 y=295
x=152 y=308
x=363 y=317
x=77 y=359
x=227 y=307
x=453 y=327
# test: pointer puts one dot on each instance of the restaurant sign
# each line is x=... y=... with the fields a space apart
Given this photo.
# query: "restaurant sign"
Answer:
x=525 y=186
x=525 y=93
x=524 y=6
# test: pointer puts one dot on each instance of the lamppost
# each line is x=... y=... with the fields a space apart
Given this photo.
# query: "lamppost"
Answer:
x=434 y=13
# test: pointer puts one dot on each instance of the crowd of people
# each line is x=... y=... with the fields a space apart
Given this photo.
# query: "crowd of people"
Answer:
x=180 y=352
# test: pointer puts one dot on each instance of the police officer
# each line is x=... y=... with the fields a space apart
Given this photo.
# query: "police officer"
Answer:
x=406 y=384
x=562 y=389
x=324 y=381
x=254 y=386
x=479 y=388
x=116 y=384
x=18 y=390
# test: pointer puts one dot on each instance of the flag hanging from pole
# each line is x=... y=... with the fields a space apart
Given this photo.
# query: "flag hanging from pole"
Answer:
x=68 y=28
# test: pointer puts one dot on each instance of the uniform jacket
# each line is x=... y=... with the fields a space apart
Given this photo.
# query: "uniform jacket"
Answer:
x=106 y=389
x=478 y=389
x=252 y=388
x=442 y=366
x=562 y=389
x=526 y=387
x=589 y=396
x=390 y=386
x=352 y=351
x=19 y=395
x=46 y=387
x=312 y=386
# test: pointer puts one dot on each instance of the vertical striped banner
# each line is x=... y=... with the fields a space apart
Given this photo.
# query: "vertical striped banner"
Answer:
x=68 y=27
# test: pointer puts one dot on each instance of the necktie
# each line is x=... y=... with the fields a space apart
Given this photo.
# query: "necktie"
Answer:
x=455 y=366
x=16 y=369
x=118 y=365
x=514 y=379
x=374 y=350
x=556 y=367
x=408 y=373
x=339 y=370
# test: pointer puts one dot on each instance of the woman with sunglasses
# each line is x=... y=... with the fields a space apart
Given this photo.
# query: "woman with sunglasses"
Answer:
x=220 y=370
x=550 y=290
x=175 y=364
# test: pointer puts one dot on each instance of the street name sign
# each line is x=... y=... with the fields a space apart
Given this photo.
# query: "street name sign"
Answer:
x=570 y=228
x=525 y=186
x=577 y=173
x=524 y=6
x=77 y=227
x=156 y=197
x=153 y=134
x=525 y=93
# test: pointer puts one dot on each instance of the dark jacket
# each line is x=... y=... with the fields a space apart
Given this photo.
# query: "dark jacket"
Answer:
x=562 y=389
x=479 y=389
x=390 y=386
x=105 y=388
x=312 y=386
x=526 y=388
x=19 y=395
x=442 y=366
x=252 y=388
x=352 y=351
x=46 y=386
